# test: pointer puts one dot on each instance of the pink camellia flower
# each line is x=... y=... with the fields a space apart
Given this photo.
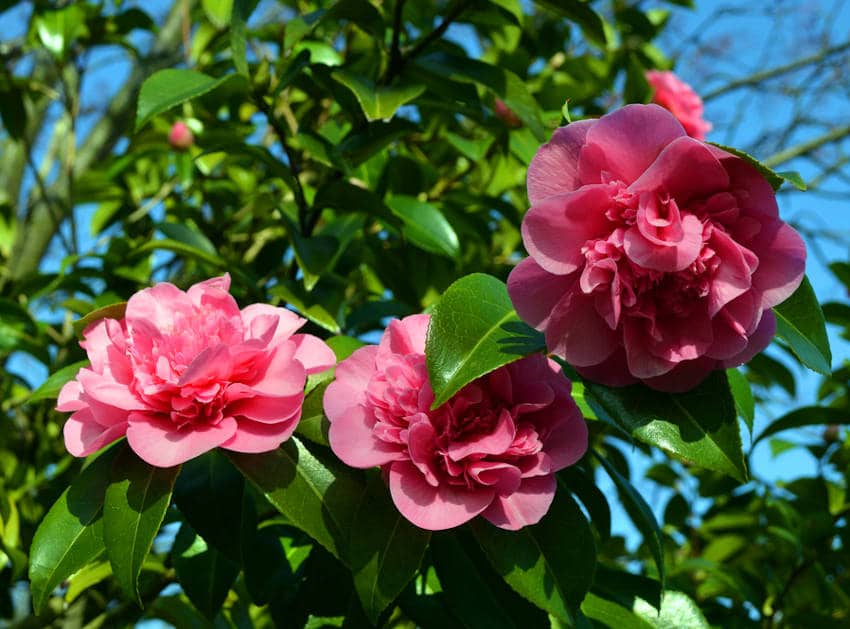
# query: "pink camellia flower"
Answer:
x=180 y=136
x=674 y=94
x=185 y=372
x=492 y=449
x=654 y=256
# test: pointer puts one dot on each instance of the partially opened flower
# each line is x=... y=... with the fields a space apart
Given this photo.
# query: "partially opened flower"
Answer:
x=492 y=449
x=653 y=256
x=185 y=372
x=674 y=94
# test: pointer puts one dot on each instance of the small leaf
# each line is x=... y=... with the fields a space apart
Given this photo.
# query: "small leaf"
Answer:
x=425 y=226
x=677 y=610
x=377 y=102
x=135 y=505
x=316 y=493
x=473 y=331
x=640 y=514
x=386 y=549
x=806 y=416
x=582 y=14
x=51 y=387
x=218 y=11
x=168 y=88
x=205 y=574
x=699 y=426
x=611 y=614
x=537 y=563
x=113 y=311
x=189 y=235
x=794 y=178
x=71 y=534
x=742 y=393
x=800 y=323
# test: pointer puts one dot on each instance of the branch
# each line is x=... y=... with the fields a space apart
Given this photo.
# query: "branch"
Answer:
x=807 y=147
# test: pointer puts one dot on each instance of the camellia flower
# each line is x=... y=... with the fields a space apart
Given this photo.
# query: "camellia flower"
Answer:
x=654 y=256
x=674 y=94
x=180 y=136
x=492 y=449
x=185 y=372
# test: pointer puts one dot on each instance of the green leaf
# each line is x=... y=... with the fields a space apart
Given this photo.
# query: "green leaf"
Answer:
x=58 y=29
x=800 y=323
x=317 y=493
x=136 y=501
x=742 y=393
x=377 y=102
x=385 y=550
x=113 y=311
x=425 y=226
x=50 y=388
x=581 y=13
x=640 y=514
x=473 y=331
x=774 y=178
x=611 y=614
x=205 y=574
x=71 y=534
x=168 y=88
x=218 y=11
x=677 y=610
x=794 y=178
x=537 y=563
x=188 y=234
x=583 y=486
x=699 y=426
x=806 y=416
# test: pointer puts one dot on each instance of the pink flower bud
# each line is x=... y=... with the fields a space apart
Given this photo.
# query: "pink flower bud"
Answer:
x=180 y=136
x=507 y=114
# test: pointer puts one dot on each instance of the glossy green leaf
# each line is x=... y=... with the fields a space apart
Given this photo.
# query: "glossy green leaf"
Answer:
x=315 y=492
x=699 y=426
x=377 y=102
x=800 y=323
x=71 y=534
x=137 y=498
x=806 y=416
x=640 y=514
x=50 y=388
x=205 y=574
x=425 y=226
x=742 y=393
x=537 y=563
x=611 y=614
x=583 y=487
x=385 y=550
x=168 y=88
x=473 y=331
x=113 y=311
x=189 y=235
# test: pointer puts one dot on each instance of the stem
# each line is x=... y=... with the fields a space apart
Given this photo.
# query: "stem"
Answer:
x=804 y=148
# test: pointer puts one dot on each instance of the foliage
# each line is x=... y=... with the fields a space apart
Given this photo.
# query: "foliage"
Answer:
x=349 y=162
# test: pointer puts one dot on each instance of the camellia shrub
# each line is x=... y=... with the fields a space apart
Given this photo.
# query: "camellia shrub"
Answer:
x=376 y=303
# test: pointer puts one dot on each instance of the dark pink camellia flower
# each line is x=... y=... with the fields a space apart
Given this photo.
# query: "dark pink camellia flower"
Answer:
x=653 y=256
x=672 y=93
x=492 y=449
x=185 y=372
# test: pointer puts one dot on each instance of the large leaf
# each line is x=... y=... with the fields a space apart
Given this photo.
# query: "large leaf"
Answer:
x=316 y=493
x=425 y=226
x=377 y=102
x=168 y=88
x=135 y=505
x=641 y=516
x=800 y=323
x=204 y=573
x=385 y=550
x=806 y=416
x=71 y=534
x=677 y=610
x=473 y=331
x=699 y=426
x=536 y=562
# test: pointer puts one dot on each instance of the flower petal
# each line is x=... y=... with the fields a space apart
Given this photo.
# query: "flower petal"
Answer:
x=554 y=169
x=526 y=506
x=159 y=442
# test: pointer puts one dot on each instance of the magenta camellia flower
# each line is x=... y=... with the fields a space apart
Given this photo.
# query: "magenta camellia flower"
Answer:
x=180 y=136
x=185 y=372
x=492 y=449
x=653 y=256
x=674 y=94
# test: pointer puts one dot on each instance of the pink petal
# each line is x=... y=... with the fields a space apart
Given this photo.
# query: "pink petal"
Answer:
x=160 y=443
x=212 y=364
x=642 y=362
x=526 y=506
x=554 y=169
x=782 y=263
x=734 y=276
x=758 y=340
x=404 y=336
x=352 y=377
x=684 y=376
x=754 y=194
x=83 y=435
x=434 y=508
x=213 y=295
x=107 y=391
x=259 y=437
x=534 y=292
x=353 y=441
x=283 y=376
x=684 y=169
x=612 y=372
x=577 y=333
x=505 y=478
x=69 y=397
x=495 y=442
x=106 y=347
x=566 y=441
x=313 y=353
x=287 y=321
x=267 y=409
x=676 y=257
x=155 y=309
x=624 y=143
x=555 y=229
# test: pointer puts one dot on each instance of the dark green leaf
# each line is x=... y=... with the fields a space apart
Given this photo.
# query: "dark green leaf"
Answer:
x=377 y=102
x=385 y=550
x=188 y=234
x=806 y=416
x=537 y=563
x=136 y=500
x=425 y=226
x=624 y=587
x=315 y=492
x=51 y=387
x=168 y=88
x=800 y=323
x=611 y=614
x=581 y=13
x=71 y=534
x=641 y=516
x=473 y=331
x=743 y=396
x=205 y=574
x=699 y=426
x=581 y=484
